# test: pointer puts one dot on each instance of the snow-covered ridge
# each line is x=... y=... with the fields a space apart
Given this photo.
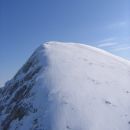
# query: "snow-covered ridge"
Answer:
x=98 y=50
x=68 y=86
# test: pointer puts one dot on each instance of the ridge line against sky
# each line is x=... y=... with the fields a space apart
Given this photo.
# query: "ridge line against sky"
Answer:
x=26 y=24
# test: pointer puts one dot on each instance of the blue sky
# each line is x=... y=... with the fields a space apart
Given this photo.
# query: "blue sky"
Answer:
x=25 y=24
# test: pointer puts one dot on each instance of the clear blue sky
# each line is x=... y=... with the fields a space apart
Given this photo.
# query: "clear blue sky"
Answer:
x=25 y=24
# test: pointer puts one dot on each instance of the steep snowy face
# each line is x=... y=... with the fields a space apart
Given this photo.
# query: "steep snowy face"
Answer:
x=16 y=98
x=68 y=86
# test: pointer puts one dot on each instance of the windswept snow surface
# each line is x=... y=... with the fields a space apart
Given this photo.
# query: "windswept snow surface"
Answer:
x=78 y=88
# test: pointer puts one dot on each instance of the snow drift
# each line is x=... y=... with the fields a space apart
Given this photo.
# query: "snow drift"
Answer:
x=68 y=86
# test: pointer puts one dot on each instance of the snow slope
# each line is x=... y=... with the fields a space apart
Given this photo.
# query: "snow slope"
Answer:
x=68 y=86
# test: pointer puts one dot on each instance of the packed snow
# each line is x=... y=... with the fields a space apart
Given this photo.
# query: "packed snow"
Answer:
x=78 y=88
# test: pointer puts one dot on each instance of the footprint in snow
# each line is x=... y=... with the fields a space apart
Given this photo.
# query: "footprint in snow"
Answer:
x=68 y=127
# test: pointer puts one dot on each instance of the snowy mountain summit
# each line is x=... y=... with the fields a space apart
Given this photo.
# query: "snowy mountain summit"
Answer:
x=68 y=86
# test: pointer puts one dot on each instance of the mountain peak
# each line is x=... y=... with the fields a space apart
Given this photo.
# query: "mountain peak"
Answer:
x=67 y=86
